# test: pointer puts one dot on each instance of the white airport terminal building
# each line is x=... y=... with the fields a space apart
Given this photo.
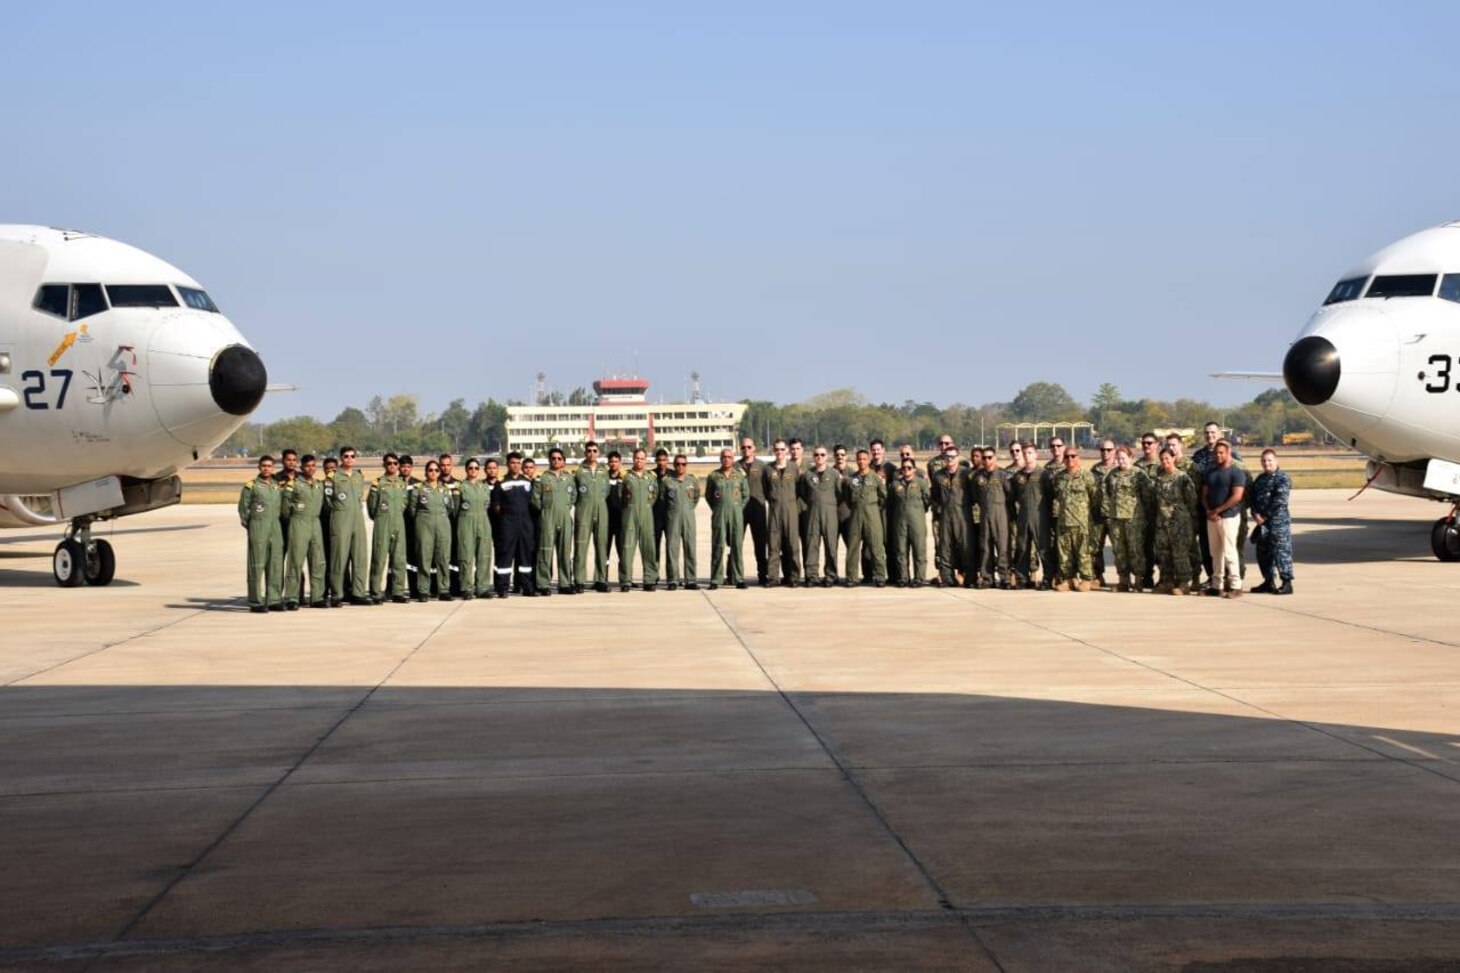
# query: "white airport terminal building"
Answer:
x=622 y=418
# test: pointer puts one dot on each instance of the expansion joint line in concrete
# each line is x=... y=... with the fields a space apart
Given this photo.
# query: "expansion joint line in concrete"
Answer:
x=111 y=645
x=283 y=778
x=1271 y=714
x=850 y=776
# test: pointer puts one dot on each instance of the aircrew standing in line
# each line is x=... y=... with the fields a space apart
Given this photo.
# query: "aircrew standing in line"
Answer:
x=1175 y=506
x=413 y=570
x=590 y=520
x=345 y=493
x=432 y=512
x=820 y=489
x=385 y=504
x=907 y=510
x=1053 y=470
x=640 y=494
x=1149 y=463
x=615 y=506
x=661 y=517
x=866 y=495
x=681 y=491
x=728 y=491
x=552 y=498
x=474 y=533
x=258 y=512
x=302 y=499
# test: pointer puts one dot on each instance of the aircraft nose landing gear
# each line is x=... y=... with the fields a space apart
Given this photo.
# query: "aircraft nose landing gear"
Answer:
x=1445 y=536
x=80 y=558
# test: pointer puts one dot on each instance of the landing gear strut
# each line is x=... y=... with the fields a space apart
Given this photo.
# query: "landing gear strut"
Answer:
x=79 y=558
x=1445 y=536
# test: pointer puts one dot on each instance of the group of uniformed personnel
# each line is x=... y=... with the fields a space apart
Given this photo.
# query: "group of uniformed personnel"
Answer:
x=490 y=534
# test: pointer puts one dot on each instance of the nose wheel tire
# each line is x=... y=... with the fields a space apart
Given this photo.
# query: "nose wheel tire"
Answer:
x=74 y=562
x=68 y=563
x=1445 y=539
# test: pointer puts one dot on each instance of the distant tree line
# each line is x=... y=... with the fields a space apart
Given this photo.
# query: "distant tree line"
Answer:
x=842 y=415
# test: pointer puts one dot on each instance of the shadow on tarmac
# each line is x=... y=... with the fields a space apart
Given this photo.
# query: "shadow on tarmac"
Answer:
x=150 y=827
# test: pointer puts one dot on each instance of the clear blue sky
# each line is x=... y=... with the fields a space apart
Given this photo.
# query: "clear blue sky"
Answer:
x=936 y=201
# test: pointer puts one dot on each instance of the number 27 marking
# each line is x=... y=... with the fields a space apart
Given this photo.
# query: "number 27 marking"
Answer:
x=35 y=388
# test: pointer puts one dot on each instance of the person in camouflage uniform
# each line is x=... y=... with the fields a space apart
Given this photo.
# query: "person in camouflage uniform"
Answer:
x=1126 y=496
x=1098 y=531
x=1198 y=515
x=681 y=490
x=258 y=512
x=866 y=495
x=1075 y=498
x=907 y=511
x=1268 y=500
x=728 y=491
x=1175 y=503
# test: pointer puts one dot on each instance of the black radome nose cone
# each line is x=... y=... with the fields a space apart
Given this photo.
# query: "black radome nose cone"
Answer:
x=1311 y=370
x=237 y=380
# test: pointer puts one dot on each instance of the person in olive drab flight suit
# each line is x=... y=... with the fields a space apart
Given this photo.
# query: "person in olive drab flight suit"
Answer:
x=345 y=493
x=640 y=493
x=783 y=541
x=755 y=510
x=590 y=520
x=951 y=489
x=258 y=512
x=908 y=499
x=1029 y=519
x=432 y=509
x=474 y=533
x=661 y=522
x=385 y=504
x=515 y=552
x=552 y=498
x=681 y=491
x=413 y=570
x=728 y=491
x=993 y=495
x=866 y=495
x=302 y=499
x=820 y=489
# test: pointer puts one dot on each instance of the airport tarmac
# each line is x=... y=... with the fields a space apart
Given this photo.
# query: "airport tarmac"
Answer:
x=763 y=779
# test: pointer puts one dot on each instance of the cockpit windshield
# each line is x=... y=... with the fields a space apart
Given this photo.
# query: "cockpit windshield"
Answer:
x=1345 y=290
x=1403 y=285
x=1450 y=288
x=140 y=295
x=196 y=299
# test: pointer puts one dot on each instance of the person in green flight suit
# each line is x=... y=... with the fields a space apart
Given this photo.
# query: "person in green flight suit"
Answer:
x=908 y=499
x=431 y=509
x=302 y=500
x=258 y=512
x=640 y=491
x=385 y=504
x=820 y=489
x=590 y=520
x=728 y=491
x=681 y=491
x=866 y=495
x=552 y=498
x=344 y=491
x=474 y=533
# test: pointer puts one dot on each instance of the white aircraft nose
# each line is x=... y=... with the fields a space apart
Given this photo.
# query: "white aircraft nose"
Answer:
x=1345 y=367
x=202 y=376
